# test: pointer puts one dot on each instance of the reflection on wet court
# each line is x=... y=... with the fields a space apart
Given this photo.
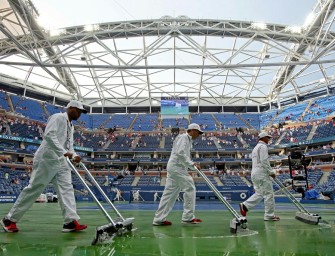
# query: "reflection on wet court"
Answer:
x=40 y=233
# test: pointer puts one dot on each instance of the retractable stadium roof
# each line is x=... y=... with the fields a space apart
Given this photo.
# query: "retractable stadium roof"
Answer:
x=134 y=63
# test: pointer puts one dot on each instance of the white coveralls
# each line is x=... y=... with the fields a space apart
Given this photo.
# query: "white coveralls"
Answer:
x=156 y=197
x=50 y=165
x=136 y=195
x=178 y=179
x=261 y=180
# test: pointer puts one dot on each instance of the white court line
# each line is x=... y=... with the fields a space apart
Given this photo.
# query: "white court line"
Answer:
x=249 y=233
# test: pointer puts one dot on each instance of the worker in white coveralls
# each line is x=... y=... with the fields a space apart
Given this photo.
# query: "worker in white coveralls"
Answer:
x=179 y=179
x=50 y=165
x=156 y=197
x=261 y=178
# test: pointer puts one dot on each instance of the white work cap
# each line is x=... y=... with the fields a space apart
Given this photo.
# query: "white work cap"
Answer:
x=77 y=104
x=264 y=134
x=194 y=127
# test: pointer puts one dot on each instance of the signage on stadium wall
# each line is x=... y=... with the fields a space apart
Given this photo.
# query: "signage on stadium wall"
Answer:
x=8 y=150
x=14 y=150
x=7 y=198
x=83 y=148
x=8 y=137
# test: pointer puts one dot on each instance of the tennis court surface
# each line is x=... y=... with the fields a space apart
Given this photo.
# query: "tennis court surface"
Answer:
x=40 y=232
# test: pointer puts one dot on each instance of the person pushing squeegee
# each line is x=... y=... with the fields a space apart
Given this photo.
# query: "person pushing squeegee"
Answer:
x=302 y=215
x=117 y=226
x=238 y=221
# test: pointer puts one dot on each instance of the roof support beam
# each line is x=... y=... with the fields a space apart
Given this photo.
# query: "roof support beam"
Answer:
x=35 y=31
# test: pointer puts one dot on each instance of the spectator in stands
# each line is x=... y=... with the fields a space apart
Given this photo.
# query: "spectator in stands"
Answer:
x=178 y=179
x=260 y=176
x=50 y=165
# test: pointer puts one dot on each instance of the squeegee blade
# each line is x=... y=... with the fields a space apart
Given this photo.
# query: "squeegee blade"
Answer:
x=312 y=219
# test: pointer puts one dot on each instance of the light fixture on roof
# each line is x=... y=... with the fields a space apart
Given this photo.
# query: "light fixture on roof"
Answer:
x=258 y=25
x=91 y=27
x=309 y=19
x=294 y=29
x=154 y=102
x=57 y=32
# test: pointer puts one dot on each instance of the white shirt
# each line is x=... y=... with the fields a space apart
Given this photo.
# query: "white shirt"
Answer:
x=58 y=136
x=180 y=158
x=260 y=160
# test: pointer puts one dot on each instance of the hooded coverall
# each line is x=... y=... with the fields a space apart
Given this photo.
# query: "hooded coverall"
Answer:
x=178 y=180
x=261 y=180
x=50 y=165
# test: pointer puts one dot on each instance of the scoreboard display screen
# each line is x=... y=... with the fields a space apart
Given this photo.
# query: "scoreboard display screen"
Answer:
x=174 y=106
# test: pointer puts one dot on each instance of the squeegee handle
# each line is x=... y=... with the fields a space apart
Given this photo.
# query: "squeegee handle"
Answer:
x=96 y=184
x=90 y=191
x=218 y=194
x=290 y=196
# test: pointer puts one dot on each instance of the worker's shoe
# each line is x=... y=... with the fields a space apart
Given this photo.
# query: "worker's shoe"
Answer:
x=243 y=210
x=162 y=223
x=73 y=226
x=9 y=226
x=193 y=221
x=273 y=218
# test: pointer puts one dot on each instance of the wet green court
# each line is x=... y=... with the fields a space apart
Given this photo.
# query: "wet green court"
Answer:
x=40 y=234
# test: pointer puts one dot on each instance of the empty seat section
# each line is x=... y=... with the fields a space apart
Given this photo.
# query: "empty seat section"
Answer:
x=146 y=122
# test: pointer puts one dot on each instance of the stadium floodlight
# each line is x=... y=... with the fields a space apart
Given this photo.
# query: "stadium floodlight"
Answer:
x=91 y=27
x=46 y=22
x=294 y=29
x=57 y=32
x=309 y=19
x=258 y=25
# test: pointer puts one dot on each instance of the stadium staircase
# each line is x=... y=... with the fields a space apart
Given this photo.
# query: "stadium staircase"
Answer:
x=9 y=132
x=216 y=142
x=246 y=181
x=10 y=103
x=218 y=181
x=162 y=143
x=324 y=178
x=104 y=123
x=130 y=127
x=280 y=138
x=163 y=181
x=312 y=132
x=246 y=122
x=135 y=181
x=135 y=142
x=245 y=145
x=45 y=110
x=107 y=144
x=269 y=124
x=305 y=111
x=216 y=121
